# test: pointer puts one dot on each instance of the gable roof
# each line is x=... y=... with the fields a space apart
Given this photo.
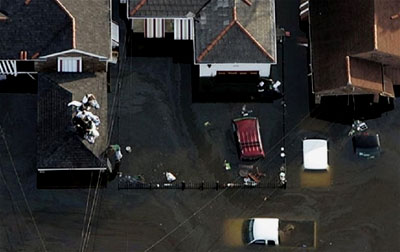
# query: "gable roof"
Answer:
x=29 y=27
x=92 y=25
x=49 y=26
x=256 y=22
x=388 y=28
x=350 y=29
x=58 y=145
x=164 y=8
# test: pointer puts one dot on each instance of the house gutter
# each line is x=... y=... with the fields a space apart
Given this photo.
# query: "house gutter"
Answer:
x=72 y=169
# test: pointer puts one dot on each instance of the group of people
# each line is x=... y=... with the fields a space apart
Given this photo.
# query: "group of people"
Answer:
x=273 y=85
x=85 y=122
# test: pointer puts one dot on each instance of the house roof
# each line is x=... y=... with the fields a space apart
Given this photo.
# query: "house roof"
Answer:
x=388 y=29
x=164 y=8
x=92 y=25
x=50 y=26
x=58 y=145
x=340 y=31
x=234 y=31
x=227 y=31
x=29 y=27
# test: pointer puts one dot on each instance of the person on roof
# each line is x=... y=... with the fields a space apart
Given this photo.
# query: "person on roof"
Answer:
x=261 y=87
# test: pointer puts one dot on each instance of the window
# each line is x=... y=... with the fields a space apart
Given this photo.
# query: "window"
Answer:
x=69 y=64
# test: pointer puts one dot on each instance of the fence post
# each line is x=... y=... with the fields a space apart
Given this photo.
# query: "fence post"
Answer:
x=183 y=185
x=217 y=185
x=202 y=185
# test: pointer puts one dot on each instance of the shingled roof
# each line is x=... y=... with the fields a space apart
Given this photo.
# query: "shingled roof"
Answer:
x=50 y=26
x=226 y=31
x=92 y=25
x=236 y=31
x=38 y=27
x=350 y=40
x=58 y=145
x=164 y=8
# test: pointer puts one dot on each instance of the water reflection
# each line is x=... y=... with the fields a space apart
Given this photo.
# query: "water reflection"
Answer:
x=233 y=232
x=315 y=178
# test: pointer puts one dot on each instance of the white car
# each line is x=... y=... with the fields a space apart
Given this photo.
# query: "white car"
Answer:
x=261 y=231
x=315 y=154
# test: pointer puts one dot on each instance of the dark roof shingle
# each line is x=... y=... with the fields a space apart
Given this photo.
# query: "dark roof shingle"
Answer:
x=38 y=27
x=58 y=144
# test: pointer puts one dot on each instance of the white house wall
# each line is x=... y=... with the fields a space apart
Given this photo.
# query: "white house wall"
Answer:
x=210 y=70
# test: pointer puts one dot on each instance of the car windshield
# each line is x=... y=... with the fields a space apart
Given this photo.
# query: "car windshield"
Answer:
x=248 y=231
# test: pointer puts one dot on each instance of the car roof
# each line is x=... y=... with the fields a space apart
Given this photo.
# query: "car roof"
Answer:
x=315 y=154
x=366 y=141
x=248 y=134
x=266 y=229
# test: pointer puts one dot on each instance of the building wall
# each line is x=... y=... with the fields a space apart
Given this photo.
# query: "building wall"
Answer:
x=89 y=64
x=210 y=70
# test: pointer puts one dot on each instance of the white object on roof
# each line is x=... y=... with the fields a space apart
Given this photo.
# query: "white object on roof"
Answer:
x=266 y=229
x=315 y=154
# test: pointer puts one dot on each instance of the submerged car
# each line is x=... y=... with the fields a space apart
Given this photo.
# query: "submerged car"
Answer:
x=247 y=134
x=315 y=154
x=367 y=146
x=261 y=231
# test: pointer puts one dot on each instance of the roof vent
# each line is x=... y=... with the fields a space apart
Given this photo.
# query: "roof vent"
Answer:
x=395 y=16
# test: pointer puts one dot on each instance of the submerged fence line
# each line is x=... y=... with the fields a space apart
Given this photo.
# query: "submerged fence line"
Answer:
x=183 y=185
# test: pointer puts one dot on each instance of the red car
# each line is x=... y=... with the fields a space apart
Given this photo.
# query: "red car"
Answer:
x=247 y=131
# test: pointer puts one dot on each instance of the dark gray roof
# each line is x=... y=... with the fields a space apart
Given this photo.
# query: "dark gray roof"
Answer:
x=39 y=27
x=92 y=25
x=164 y=8
x=255 y=22
x=226 y=31
x=226 y=48
x=58 y=145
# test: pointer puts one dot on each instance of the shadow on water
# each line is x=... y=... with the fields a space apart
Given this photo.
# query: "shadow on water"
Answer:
x=229 y=89
x=70 y=179
x=346 y=109
x=180 y=50
x=22 y=83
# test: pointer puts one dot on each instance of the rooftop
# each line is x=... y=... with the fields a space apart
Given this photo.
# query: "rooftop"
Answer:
x=342 y=33
x=233 y=31
x=164 y=8
x=238 y=31
x=29 y=27
x=49 y=26
x=58 y=144
x=92 y=25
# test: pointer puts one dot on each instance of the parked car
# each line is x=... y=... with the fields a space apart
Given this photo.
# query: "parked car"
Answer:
x=248 y=137
x=366 y=145
x=261 y=231
x=315 y=154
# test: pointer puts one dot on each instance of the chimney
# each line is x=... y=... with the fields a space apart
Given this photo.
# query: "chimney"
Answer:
x=23 y=55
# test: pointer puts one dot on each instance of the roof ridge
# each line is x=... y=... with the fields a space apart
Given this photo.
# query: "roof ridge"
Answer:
x=219 y=36
x=215 y=41
x=254 y=40
x=73 y=22
x=140 y=5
